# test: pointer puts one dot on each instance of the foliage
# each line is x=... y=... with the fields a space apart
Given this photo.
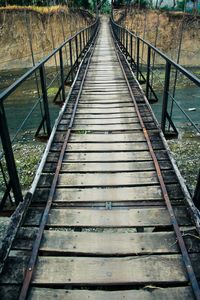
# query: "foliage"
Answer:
x=106 y=7
x=39 y=9
x=139 y=3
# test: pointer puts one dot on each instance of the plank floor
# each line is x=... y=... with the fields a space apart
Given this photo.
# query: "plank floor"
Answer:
x=109 y=234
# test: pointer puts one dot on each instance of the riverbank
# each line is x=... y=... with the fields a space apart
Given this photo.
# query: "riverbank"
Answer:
x=36 y=29
x=165 y=29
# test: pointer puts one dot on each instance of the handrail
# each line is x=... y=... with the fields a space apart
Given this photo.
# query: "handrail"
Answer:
x=125 y=37
x=180 y=68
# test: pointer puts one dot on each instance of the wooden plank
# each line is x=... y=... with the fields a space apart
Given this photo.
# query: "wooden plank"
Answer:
x=89 y=137
x=104 y=101
x=106 y=98
x=136 y=270
x=104 y=243
x=103 y=179
x=95 y=147
x=102 y=105
x=104 y=89
x=105 y=85
x=113 y=121
x=101 y=156
x=105 y=110
x=92 y=147
x=106 y=156
x=107 y=93
x=107 y=179
x=104 y=77
x=109 y=127
x=107 y=218
x=183 y=293
x=102 y=116
x=111 y=194
x=106 y=167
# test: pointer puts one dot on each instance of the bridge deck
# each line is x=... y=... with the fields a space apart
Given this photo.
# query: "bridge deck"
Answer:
x=109 y=233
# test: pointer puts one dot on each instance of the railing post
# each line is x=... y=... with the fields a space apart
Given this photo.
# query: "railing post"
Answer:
x=87 y=35
x=80 y=41
x=71 y=59
x=123 y=37
x=45 y=99
x=76 y=45
x=126 y=44
x=84 y=39
x=148 y=70
x=196 y=197
x=131 y=50
x=165 y=96
x=62 y=75
x=138 y=57
x=9 y=157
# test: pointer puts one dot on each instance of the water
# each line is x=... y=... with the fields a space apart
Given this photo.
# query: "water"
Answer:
x=189 y=99
x=27 y=150
x=19 y=104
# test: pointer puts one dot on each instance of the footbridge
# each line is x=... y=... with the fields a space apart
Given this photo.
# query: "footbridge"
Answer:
x=108 y=215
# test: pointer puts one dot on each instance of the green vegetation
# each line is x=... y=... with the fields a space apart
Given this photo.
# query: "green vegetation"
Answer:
x=45 y=6
x=176 y=5
x=39 y=9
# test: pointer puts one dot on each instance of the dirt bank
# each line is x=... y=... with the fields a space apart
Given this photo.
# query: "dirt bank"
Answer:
x=168 y=27
x=45 y=30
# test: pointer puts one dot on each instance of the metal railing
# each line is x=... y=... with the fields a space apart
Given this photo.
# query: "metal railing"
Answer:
x=67 y=58
x=142 y=58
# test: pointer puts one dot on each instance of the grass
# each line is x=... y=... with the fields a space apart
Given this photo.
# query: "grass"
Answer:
x=186 y=151
x=44 y=10
x=27 y=157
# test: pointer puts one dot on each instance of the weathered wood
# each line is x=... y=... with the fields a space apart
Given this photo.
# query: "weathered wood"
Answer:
x=105 y=167
x=121 y=137
x=109 y=127
x=150 y=293
x=107 y=218
x=104 y=243
x=137 y=270
x=107 y=179
x=104 y=194
x=103 y=156
x=103 y=115
x=106 y=90
x=105 y=110
x=98 y=100
x=95 y=147
x=102 y=179
x=102 y=105
x=106 y=156
x=106 y=121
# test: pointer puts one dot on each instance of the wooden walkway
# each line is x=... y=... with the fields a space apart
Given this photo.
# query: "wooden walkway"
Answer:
x=108 y=234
